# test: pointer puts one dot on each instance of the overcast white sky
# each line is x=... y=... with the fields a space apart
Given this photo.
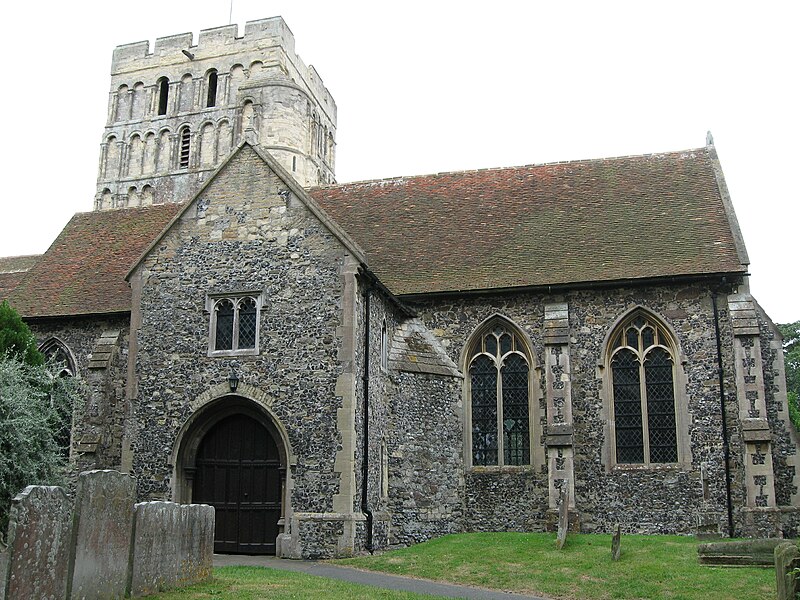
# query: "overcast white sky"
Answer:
x=433 y=86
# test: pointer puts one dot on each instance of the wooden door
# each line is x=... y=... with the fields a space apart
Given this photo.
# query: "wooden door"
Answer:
x=239 y=474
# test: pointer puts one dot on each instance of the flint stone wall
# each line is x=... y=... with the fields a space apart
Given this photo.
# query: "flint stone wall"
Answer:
x=99 y=418
x=516 y=498
x=35 y=562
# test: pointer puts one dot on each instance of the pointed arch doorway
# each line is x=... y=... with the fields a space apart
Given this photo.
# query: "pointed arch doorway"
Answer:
x=233 y=459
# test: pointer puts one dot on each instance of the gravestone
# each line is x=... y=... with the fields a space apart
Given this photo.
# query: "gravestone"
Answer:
x=615 y=540
x=102 y=528
x=156 y=558
x=787 y=558
x=197 y=551
x=37 y=556
x=563 y=517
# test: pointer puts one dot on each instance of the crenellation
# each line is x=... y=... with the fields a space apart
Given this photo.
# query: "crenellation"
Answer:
x=264 y=93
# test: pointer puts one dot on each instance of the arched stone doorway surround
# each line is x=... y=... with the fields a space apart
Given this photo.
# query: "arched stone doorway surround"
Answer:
x=210 y=409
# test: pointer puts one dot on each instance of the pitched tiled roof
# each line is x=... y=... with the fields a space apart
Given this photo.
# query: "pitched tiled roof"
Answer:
x=584 y=221
x=13 y=270
x=83 y=271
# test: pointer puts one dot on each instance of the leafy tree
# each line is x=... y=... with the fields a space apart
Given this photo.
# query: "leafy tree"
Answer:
x=16 y=338
x=34 y=405
x=791 y=354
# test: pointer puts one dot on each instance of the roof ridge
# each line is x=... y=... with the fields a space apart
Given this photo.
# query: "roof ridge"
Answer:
x=507 y=168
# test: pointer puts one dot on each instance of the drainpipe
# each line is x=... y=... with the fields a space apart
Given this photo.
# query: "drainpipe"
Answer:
x=725 y=448
x=365 y=419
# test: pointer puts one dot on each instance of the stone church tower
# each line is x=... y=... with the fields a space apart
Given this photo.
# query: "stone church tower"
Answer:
x=174 y=114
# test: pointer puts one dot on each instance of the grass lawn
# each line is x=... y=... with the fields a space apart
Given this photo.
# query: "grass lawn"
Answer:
x=649 y=567
x=658 y=567
x=258 y=583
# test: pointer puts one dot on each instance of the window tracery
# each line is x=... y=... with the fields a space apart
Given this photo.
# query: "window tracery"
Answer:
x=234 y=325
x=499 y=393
x=642 y=361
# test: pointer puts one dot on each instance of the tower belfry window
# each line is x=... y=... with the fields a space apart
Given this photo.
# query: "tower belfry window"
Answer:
x=163 y=95
x=186 y=139
x=211 y=99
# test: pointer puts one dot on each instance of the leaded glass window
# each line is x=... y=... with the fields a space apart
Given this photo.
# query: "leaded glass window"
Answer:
x=234 y=324
x=643 y=387
x=499 y=375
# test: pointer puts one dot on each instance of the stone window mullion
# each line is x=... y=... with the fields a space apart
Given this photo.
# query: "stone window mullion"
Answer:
x=643 y=401
x=235 y=332
x=500 y=426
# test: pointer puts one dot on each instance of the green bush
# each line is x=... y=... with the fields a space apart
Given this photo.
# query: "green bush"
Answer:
x=35 y=406
x=16 y=338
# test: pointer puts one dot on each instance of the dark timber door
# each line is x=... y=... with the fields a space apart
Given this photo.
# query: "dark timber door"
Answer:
x=239 y=474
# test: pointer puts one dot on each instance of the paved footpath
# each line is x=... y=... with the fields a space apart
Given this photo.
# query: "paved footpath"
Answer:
x=381 y=580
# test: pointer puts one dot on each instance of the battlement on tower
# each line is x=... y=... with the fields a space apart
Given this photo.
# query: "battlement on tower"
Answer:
x=264 y=35
x=176 y=112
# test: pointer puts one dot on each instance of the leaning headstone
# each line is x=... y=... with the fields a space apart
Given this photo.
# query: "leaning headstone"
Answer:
x=197 y=548
x=787 y=558
x=37 y=556
x=563 y=517
x=102 y=527
x=156 y=556
x=615 y=539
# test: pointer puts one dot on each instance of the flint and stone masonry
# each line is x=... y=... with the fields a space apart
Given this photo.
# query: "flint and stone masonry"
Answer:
x=311 y=352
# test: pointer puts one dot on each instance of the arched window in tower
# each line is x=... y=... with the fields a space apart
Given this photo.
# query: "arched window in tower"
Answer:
x=498 y=396
x=138 y=101
x=135 y=156
x=641 y=356
x=111 y=168
x=224 y=138
x=150 y=151
x=163 y=160
x=186 y=95
x=207 y=143
x=248 y=116
x=163 y=95
x=211 y=84
x=185 y=147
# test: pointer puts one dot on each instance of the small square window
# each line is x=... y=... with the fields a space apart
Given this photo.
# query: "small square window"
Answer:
x=233 y=324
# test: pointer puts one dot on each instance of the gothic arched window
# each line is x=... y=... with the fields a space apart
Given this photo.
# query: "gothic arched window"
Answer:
x=498 y=397
x=641 y=355
x=62 y=363
x=234 y=325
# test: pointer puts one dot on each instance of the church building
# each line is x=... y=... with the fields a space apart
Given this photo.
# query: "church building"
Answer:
x=339 y=368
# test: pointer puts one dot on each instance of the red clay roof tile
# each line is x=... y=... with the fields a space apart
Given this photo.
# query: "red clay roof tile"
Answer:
x=83 y=271
x=584 y=221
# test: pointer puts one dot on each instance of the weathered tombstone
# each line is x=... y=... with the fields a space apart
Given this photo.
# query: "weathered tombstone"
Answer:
x=739 y=553
x=101 y=533
x=37 y=556
x=563 y=517
x=197 y=551
x=787 y=558
x=156 y=556
x=615 y=540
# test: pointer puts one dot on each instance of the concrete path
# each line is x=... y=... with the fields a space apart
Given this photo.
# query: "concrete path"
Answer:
x=381 y=580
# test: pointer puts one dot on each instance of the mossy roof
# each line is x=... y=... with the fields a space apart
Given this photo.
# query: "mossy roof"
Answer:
x=83 y=271
x=613 y=219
